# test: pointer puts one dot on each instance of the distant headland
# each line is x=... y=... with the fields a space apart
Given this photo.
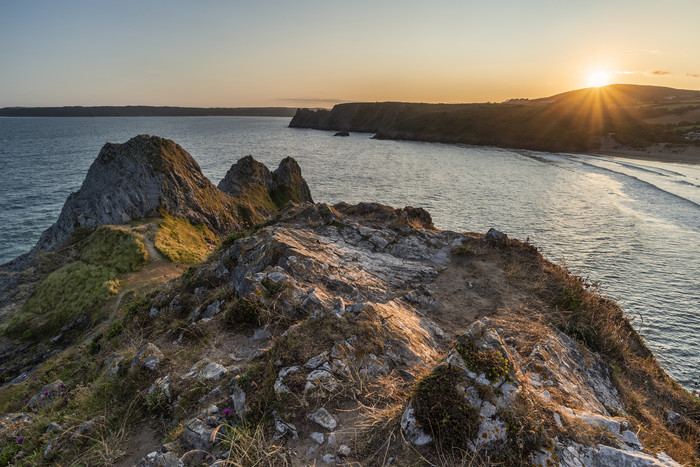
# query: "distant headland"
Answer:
x=627 y=120
x=146 y=111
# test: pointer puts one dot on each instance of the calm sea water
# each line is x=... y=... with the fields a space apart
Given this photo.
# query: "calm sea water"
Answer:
x=632 y=226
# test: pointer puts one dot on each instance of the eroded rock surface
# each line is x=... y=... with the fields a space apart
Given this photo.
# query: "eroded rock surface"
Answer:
x=326 y=328
x=249 y=176
x=140 y=178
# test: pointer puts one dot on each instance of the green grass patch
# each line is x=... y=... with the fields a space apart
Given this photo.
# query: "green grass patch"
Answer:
x=183 y=243
x=115 y=248
x=75 y=289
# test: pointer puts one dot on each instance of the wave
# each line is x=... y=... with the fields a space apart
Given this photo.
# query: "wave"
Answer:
x=650 y=199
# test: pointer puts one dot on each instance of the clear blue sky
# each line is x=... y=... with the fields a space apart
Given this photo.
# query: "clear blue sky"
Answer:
x=309 y=53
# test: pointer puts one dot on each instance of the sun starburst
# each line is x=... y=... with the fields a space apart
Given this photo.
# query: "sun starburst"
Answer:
x=598 y=78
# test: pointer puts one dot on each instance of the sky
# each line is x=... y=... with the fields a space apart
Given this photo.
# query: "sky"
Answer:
x=209 y=53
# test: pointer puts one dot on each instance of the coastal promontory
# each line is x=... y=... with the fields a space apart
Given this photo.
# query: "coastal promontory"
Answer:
x=248 y=325
x=620 y=119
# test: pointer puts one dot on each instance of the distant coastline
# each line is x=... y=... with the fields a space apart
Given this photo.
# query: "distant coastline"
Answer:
x=643 y=122
x=146 y=111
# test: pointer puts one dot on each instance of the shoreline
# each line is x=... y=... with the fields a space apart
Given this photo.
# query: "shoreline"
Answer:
x=657 y=153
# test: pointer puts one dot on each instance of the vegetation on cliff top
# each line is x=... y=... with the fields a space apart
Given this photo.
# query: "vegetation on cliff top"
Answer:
x=79 y=287
x=573 y=121
x=115 y=248
x=183 y=243
x=118 y=403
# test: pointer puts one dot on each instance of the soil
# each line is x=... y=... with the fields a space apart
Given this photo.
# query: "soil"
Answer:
x=471 y=287
x=143 y=440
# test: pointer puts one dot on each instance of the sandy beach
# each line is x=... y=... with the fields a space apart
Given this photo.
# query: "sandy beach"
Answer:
x=657 y=153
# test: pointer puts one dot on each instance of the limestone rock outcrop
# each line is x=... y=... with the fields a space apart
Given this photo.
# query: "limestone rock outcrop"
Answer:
x=331 y=334
x=249 y=177
x=140 y=178
x=149 y=175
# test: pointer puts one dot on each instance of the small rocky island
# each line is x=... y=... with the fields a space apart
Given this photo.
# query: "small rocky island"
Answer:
x=164 y=321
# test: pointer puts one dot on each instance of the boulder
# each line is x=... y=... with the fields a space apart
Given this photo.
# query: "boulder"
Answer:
x=12 y=424
x=149 y=358
x=48 y=394
x=324 y=419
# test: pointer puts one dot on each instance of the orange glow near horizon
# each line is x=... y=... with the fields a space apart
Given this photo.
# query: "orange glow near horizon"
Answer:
x=298 y=54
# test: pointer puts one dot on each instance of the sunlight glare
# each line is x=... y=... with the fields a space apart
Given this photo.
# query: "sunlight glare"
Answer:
x=599 y=78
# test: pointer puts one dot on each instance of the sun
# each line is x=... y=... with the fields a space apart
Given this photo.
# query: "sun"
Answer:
x=598 y=78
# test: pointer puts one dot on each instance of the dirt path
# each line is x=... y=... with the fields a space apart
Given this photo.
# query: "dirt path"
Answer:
x=158 y=270
x=471 y=287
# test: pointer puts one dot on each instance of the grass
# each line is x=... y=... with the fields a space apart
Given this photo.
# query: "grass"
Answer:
x=115 y=248
x=115 y=403
x=246 y=446
x=442 y=410
x=81 y=286
x=183 y=243
x=490 y=362
x=577 y=308
x=67 y=293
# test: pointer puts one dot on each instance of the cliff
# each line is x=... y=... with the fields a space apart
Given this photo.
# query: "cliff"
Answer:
x=574 y=121
x=167 y=211
x=352 y=334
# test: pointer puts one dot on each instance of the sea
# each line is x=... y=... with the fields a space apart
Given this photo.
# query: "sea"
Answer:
x=631 y=226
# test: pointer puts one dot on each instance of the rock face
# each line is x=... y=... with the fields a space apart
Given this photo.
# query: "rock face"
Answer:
x=138 y=179
x=339 y=332
x=371 y=268
x=249 y=177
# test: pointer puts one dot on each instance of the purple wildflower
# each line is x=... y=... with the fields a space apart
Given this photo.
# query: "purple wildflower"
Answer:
x=36 y=378
x=26 y=401
x=227 y=412
x=63 y=393
x=20 y=440
x=46 y=393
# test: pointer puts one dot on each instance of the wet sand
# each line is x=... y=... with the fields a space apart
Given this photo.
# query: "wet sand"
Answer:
x=656 y=153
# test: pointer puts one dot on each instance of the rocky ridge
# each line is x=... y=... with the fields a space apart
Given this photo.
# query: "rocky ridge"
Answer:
x=149 y=175
x=356 y=334
x=138 y=179
x=285 y=184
